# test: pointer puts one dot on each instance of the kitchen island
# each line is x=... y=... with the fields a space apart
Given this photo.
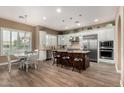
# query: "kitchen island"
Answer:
x=76 y=59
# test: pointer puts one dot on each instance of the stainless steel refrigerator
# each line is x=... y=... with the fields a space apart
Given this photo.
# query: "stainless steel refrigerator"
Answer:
x=90 y=43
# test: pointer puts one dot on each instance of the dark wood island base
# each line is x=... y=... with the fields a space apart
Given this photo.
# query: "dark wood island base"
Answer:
x=75 y=59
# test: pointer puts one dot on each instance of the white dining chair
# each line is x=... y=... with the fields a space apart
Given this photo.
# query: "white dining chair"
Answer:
x=13 y=60
x=31 y=59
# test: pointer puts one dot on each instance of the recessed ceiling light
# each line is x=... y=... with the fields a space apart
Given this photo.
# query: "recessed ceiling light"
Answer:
x=78 y=24
x=58 y=10
x=63 y=20
x=66 y=27
x=76 y=21
x=80 y=14
x=96 y=20
x=21 y=17
x=44 y=18
x=25 y=16
x=70 y=18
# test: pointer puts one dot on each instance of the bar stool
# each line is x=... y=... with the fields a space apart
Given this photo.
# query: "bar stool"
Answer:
x=78 y=62
x=54 y=57
x=65 y=59
x=58 y=58
x=71 y=58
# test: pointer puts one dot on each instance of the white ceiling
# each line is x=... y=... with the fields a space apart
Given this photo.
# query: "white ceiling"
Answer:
x=54 y=19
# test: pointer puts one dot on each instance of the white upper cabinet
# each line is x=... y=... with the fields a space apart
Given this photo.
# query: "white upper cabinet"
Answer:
x=42 y=39
x=47 y=40
x=106 y=34
x=60 y=40
x=66 y=39
x=88 y=32
x=51 y=40
x=63 y=39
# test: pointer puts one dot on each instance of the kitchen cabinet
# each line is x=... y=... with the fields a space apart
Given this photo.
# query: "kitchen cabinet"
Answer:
x=42 y=40
x=42 y=44
x=63 y=39
x=51 y=40
x=42 y=55
x=46 y=42
x=66 y=40
x=106 y=34
x=90 y=32
x=54 y=40
x=60 y=40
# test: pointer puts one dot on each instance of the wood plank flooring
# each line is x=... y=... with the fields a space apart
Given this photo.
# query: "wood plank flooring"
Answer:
x=48 y=75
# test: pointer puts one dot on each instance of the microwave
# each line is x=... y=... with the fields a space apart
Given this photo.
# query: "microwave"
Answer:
x=106 y=44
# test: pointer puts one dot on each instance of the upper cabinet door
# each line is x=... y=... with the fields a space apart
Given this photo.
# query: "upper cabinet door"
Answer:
x=60 y=39
x=106 y=34
x=42 y=39
x=51 y=40
x=110 y=34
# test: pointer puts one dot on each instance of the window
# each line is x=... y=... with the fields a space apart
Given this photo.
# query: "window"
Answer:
x=13 y=41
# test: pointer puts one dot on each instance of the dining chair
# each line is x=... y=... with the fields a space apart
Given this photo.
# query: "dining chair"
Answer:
x=58 y=58
x=54 y=57
x=71 y=58
x=12 y=59
x=31 y=59
x=65 y=59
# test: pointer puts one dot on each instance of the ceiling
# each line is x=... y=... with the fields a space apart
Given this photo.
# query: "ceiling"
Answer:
x=69 y=17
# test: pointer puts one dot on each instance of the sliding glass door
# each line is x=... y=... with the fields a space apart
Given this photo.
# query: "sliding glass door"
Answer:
x=12 y=41
x=21 y=42
x=28 y=40
x=5 y=42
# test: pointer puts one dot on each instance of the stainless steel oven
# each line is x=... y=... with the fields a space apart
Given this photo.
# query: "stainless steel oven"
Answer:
x=106 y=54
x=106 y=44
x=106 y=50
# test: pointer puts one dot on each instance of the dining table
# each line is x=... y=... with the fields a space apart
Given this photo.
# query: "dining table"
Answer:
x=23 y=57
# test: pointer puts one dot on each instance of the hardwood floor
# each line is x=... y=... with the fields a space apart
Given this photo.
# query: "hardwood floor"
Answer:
x=48 y=75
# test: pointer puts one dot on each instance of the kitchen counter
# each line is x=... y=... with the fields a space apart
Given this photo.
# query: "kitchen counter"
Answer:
x=74 y=51
x=75 y=54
